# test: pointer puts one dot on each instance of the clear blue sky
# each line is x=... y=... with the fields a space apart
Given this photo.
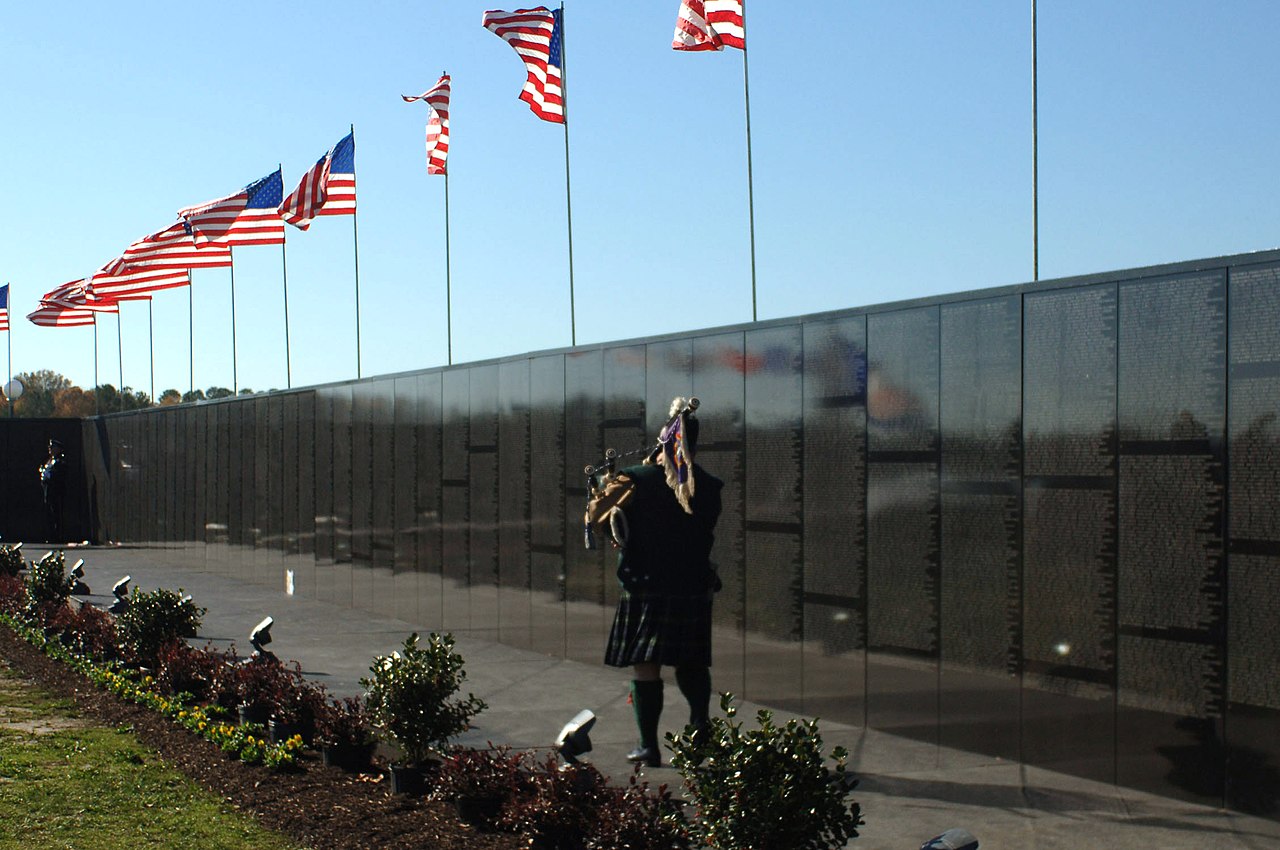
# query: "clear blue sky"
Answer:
x=891 y=145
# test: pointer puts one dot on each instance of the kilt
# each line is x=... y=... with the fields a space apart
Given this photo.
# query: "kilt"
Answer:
x=674 y=630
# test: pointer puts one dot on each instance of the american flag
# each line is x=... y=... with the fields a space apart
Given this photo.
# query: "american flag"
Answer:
x=437 y=98
x=329 y=188
x=537 y=35
x=249 y=217
x=77 y=296
x=709 y=25
x=4 y=307
x=118 y=281
x=174 y=248
x=53 y=316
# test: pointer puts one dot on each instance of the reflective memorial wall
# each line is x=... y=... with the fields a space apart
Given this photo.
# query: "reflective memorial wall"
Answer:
x=1039 y=523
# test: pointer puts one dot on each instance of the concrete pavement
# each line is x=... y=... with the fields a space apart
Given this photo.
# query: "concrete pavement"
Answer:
x=909 y=790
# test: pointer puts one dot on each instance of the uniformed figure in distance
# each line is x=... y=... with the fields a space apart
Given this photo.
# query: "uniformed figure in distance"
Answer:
x=53 y=482
x=662 y=516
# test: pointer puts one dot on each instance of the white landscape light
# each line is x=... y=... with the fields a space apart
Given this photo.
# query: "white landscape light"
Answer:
x=261 y=636
x=78 y=587
x=77 y=569
x=573 y=739
x=952 y=839
x=121 y=592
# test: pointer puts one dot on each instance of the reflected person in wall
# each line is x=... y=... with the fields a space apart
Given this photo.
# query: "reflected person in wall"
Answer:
x=662 y=516
x=53 y=483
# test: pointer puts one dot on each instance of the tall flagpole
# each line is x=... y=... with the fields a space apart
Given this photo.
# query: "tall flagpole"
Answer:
x=120 y=352
x=235 y=386
x=568 y=196
x=284 y=271
x=97 y=394
x=1035 y=153
x=191 y=332
x=355 y=239
x=448 y=278
x=8 y=341
x=751 y=206
x=151 y=337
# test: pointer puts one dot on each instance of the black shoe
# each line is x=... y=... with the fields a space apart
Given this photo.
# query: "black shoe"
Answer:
x=649 y=756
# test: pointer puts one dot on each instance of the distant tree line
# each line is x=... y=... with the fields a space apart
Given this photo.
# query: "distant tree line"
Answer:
x=48 y=395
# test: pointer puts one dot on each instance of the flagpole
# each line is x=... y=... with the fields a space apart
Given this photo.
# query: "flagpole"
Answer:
x=97 y=396
x=235 y=386
x=284 y=271
x=8 y=341
x=191 y=333
x=120 y=353
x=568 y=196
x=1035 y=154
x=151 y=339
x=355 y=240
x=751 y=207
x=448 y=277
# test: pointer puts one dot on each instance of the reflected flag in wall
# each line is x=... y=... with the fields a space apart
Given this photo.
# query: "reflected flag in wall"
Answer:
x=537 y=35
x=175 y=248
x=248 y=217
x=329 y=188
x=437 y=98
x=709 y=25
x=4 y=307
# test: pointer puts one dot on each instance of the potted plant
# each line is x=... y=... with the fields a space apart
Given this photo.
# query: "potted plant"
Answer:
x=482 y=783
x=345 y=734
x=410 y=699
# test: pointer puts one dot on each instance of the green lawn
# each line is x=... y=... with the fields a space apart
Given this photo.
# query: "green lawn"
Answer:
x=67 y=784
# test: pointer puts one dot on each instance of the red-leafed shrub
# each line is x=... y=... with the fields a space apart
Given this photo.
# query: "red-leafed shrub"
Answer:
x=91 y=631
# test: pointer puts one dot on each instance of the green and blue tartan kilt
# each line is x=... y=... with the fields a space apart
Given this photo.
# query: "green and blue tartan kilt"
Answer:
x=662 y=629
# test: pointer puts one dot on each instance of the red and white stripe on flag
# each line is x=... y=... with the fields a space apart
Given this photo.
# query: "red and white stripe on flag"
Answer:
x=535 y=35
x=117 y=280
x=329 y=188
x=77 y=296
x=54 y=316
x=709 y=25
x=437 y=98
x=174 y=248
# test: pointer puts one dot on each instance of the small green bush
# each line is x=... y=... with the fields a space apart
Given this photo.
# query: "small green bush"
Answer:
x=154 y=619
x=11 y=562
x=410 y=696
x=766 y=788
x=48 y=588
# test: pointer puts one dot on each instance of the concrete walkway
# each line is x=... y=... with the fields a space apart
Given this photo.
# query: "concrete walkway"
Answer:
x=909 y=791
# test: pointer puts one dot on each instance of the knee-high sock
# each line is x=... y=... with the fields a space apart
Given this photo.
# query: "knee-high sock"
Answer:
x=695 y=684
x=646 y=700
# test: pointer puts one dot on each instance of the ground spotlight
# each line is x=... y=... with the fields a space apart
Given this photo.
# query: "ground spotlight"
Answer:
x=121 y=592
x=261 y=636
x=78 y=587
x=952 y=839
x=574 y=739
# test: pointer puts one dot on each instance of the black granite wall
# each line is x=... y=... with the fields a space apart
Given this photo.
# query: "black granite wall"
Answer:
x=1038 y=522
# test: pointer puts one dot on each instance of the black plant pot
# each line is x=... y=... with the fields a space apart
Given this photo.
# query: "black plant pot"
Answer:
x=354 y=758
x=250 y=714
x=278 y=732
x=479 y=811
x=410 y=780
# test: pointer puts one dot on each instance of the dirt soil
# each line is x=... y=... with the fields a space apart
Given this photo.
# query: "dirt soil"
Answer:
x=318 y=806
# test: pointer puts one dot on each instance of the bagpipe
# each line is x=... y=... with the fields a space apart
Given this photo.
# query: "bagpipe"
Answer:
x=598 y=475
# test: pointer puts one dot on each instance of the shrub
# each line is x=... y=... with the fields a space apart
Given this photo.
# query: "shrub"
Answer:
x=765 y=789
x=640 y=819
x=91 y=632
x=13 y=594
x=48 y=588
x=409 y=696
x=483 y=783
x=343 y=722
x=182 y=669
x=267 y=687
x=153 y=619
x=561 y=809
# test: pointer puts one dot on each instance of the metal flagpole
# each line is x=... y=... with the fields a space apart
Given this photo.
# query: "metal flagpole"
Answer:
x=151 y=337
x=355 y=238
x=1035 y=154
x=8 y=341
x=751 y=207
x=191 y=332
x=97 y=396
x=568 y=195
x=235 y=387
x=448 y=279
x=284 y=271
x=120 y=353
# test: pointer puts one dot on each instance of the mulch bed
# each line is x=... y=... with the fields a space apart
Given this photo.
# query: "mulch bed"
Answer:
x=318 y=806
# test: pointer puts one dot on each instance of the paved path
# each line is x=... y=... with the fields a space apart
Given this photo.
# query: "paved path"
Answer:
x=909 y=790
